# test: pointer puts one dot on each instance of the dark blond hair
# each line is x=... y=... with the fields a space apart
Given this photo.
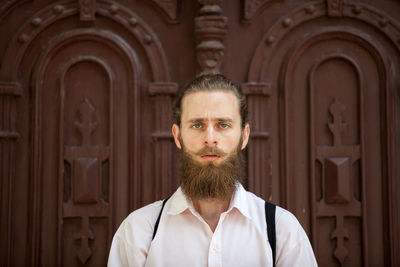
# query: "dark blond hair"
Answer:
x=211 y=82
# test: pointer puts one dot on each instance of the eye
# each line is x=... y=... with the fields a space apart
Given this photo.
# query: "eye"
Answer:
x=223 y=125
x=196 y=126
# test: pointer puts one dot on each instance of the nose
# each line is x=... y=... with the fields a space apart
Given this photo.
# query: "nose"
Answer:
x=210 y=138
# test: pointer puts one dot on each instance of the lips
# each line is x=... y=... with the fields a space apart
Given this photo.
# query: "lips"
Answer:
x=210 y=157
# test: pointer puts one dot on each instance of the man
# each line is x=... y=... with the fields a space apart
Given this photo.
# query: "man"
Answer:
x=211 y=220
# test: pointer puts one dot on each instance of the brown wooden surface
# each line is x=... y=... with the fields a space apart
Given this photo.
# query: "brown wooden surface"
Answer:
x=86 y=88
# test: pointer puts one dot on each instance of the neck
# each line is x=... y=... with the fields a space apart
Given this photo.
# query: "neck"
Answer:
x=210 y=209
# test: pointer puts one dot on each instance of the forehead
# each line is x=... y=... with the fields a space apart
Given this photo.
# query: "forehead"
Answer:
x=216 y=103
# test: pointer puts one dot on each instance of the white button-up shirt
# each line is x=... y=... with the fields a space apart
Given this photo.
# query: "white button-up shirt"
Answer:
x=184 y=239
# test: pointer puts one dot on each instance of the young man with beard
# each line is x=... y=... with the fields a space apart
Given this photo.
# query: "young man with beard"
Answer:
x=211 y=220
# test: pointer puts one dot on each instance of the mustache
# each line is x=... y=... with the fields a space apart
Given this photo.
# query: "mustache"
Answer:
x=211 y=150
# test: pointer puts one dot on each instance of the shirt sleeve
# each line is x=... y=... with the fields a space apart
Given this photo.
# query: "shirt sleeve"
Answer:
x=132 y=240
x=293 y=247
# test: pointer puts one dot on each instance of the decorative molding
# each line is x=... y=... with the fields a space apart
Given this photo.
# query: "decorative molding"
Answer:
x=252 y=88
x=9 y=92
x=163 y=88
x=84 y=160
x=210 y=31
x=259 y=71
x=63 y=9
x=162 y=96
x=167 y=7
x=84 y=181
x=338 y=160
x=11 y=89
x=311 y=11
x=253 y=7
x=259 y=135
x=9 y=135
x=259 y=156
x=334 y=8
x=162 y=135
x=336 y=195
x=8 y=6
x=87 y=10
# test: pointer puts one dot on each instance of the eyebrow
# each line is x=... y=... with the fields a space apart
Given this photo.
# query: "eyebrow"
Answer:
x=217 y=119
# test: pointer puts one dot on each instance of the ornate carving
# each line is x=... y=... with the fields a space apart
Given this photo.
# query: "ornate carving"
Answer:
x=314 y=10
x=158 y=71
x=163 y=89
x=86 y=186
x=334 y=8
x=126 y=18
x=87 y=9
x=252 y=7
x=58 y=9
x=167 y=7
x=10 y=89
x=210 y=30
x=338 y=160
x=337 y=127
x=254 y=89
x=8 y=5
x=36 y=22
x=337 y=180
x=86 y=122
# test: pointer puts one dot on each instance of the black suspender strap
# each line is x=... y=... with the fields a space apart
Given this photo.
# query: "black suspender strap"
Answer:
x=158 y=218
x=270 y=218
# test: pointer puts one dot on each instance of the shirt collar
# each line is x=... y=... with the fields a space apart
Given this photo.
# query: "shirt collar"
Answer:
x=179 y=202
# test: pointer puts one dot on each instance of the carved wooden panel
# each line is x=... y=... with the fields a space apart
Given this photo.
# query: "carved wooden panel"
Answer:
x=332 y=90
x=85 y=101
x=85 y=111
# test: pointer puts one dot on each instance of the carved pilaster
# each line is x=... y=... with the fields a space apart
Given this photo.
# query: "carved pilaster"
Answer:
x=162 y=93
x=8 y=136
x=259 y=152
x=210 y=31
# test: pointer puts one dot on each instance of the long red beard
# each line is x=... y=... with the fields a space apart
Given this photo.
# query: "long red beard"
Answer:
x=202 y=181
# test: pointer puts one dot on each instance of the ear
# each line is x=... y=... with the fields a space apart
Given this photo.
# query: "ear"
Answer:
x=245 y=135
x=175 y=133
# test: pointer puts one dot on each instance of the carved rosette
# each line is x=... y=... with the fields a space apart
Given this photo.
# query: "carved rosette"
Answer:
x=210 y=31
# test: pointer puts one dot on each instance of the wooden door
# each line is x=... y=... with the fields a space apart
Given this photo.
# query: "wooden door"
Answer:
x=86 y=89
